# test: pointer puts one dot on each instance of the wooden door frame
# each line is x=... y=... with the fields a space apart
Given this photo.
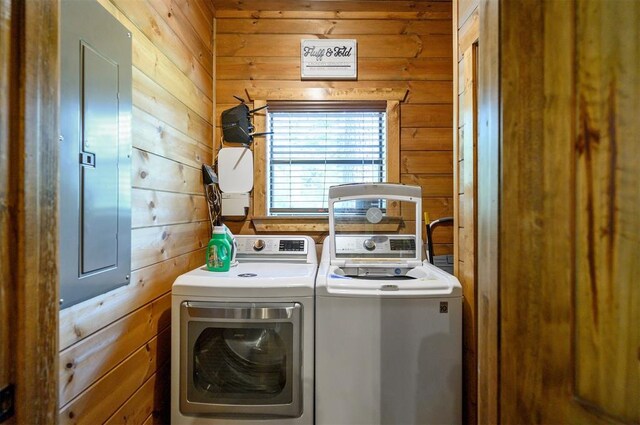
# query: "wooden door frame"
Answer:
x=28 y=206
x=488 y=210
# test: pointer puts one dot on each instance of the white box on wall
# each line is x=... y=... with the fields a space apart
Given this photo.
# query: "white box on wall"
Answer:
x=235 y=204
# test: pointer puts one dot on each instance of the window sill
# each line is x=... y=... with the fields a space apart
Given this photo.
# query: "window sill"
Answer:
x=315 y=225
x=302 y=224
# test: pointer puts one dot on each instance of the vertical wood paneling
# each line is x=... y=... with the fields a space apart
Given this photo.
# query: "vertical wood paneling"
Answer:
x=569 y=233
x=126 y=379
x=398 y=48
x=466 y=27
x=488 y=211
x=393 y=141
x=6 y=286
x=259 y=194
x=29 y=76
x=465 y=247
x=33 y=163
x=607 y=298
x=524 y=122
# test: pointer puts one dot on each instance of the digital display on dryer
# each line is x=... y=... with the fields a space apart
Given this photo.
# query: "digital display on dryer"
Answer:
x=292 y=245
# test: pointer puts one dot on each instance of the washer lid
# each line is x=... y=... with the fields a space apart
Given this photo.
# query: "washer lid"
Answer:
x=375 y=222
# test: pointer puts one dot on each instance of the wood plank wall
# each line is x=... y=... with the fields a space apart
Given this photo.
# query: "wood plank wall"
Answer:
x=115 y=348
x=400 y=45
x=466 y=23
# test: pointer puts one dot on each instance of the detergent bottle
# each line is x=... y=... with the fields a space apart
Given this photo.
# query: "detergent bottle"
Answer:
x=219 y=251
x=234 y=246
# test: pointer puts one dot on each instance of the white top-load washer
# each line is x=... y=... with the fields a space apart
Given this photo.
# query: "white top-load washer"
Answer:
x=242 y=340
x=388 y=325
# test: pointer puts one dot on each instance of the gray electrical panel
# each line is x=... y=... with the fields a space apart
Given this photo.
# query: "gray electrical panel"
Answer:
x=95 y=152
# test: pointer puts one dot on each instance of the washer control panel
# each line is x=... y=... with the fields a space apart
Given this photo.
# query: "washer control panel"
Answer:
x=378 y=246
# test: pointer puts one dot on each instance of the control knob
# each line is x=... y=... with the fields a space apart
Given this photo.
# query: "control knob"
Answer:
x=258 y=245
x=369 y=244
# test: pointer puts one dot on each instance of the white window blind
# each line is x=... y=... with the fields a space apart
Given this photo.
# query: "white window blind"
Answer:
x=316 y=146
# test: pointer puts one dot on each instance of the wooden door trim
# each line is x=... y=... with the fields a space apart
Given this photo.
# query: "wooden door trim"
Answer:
x=29 y=206
x=489 y=181
x=6 y=252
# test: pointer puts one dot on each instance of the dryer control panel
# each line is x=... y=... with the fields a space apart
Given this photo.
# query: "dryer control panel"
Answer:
x=258 y=247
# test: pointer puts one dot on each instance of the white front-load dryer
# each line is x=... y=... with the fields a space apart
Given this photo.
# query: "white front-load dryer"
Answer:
x=242 y=340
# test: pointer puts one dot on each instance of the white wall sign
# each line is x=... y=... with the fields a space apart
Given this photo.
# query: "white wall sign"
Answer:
x=328 y=59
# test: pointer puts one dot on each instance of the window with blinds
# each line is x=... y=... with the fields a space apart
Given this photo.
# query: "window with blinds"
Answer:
x=317 y=145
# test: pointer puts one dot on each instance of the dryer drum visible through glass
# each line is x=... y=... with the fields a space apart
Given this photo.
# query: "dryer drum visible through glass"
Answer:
x=250 y=361
x=245 y=355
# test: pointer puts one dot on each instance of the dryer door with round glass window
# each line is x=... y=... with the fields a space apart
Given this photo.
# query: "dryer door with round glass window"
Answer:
x=241 y=358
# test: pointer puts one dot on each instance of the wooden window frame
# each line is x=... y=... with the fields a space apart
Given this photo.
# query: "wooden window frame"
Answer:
x=260 y=98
